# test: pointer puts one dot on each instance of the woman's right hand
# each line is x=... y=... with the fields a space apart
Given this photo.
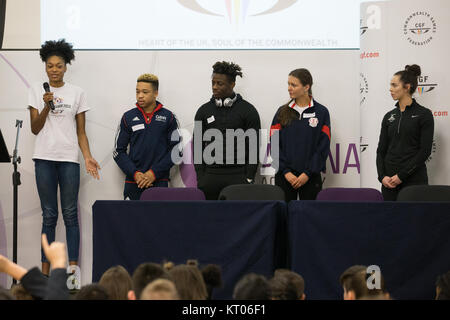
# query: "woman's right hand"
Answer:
x=47 y=97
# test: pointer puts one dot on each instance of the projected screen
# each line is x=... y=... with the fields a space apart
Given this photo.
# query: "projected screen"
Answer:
x=202 y=24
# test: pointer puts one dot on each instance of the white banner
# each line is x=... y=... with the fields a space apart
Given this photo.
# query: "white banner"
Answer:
x=395 y=34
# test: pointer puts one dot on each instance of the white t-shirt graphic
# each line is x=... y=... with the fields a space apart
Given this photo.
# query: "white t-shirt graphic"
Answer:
x=58 y=141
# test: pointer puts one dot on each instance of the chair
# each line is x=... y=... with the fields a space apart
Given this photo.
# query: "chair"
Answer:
x=425 y=193
x=252 y=192
x=350 y=194
x=167 y=194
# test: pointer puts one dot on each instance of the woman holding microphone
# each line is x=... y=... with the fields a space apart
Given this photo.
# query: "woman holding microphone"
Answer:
x=58 y=121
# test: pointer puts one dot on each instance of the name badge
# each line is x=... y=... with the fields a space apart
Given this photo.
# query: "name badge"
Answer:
x=309 y=115
x=138 y=127
x=210 y=119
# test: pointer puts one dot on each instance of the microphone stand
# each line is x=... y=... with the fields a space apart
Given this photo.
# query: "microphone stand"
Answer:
x=16 y=183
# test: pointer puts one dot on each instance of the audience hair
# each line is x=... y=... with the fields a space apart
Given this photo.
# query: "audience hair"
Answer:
x=117 y=282
x=189 y=282
x=252 y=286
x=92 y=291
x=160 y=289
x=20 y=293
x=146 y=273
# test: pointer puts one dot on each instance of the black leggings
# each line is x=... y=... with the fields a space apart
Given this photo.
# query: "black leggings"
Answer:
x=308 y=191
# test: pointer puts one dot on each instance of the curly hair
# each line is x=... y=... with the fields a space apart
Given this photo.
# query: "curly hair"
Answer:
x=58 y=48
x=230 y=69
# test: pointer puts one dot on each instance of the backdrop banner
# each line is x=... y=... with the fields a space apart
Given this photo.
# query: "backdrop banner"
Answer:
x=395 y=34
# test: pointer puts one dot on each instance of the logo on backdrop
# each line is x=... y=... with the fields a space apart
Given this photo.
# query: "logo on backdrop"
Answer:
x=433 y=151
x=425 y=85
x=362 y=28
x=235 y=9
x=362 y=146
x=419 y=28
x=363 y=88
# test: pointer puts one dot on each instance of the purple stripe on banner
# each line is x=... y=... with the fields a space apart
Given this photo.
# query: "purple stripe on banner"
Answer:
x=3 y=245
x=15 y=70
x=187 y=169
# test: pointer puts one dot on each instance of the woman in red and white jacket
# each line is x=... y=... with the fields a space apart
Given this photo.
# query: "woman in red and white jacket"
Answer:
x=303 y=128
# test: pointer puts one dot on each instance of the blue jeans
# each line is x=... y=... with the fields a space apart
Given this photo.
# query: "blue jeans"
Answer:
x=50 y=174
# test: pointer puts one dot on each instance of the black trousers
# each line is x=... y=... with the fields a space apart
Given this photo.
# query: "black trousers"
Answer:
x=417 y=178
x=308 y=191
x=213 y=180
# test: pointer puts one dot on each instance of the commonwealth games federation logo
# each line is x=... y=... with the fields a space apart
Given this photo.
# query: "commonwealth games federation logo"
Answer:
x=425 y=85
x=419 y=28
x=236 y=10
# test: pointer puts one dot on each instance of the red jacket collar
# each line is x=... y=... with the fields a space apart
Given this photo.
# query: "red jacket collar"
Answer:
x=148 y=117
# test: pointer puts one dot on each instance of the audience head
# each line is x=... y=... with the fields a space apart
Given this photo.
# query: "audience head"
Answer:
x=212 y=275
x=354 y=283
x=117 y=282
x=443 y=287
x=143 y=275
x=20 y=293
x=189 y=282
x=160 y=289
x=282 y=289
x=294 y=280
x=252 y=287
x=92 y=291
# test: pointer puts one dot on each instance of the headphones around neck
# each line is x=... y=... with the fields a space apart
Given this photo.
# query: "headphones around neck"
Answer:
x=228 y=102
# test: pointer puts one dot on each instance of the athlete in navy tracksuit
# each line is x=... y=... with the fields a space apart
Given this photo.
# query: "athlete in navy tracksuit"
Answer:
x=303 y=127
x=151 y=137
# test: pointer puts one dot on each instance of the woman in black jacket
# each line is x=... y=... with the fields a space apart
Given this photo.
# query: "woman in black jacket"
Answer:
x=406 y=137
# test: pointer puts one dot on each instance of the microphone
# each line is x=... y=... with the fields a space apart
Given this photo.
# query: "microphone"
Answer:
x=47 y=89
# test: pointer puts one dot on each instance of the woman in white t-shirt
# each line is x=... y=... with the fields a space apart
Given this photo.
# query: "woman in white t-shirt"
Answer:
x=58 y=121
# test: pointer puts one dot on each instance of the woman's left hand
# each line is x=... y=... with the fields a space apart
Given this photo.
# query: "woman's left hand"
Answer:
x=92 y=167
x=300 y=181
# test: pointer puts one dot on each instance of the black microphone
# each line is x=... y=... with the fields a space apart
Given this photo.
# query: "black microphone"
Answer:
x=47 y=89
